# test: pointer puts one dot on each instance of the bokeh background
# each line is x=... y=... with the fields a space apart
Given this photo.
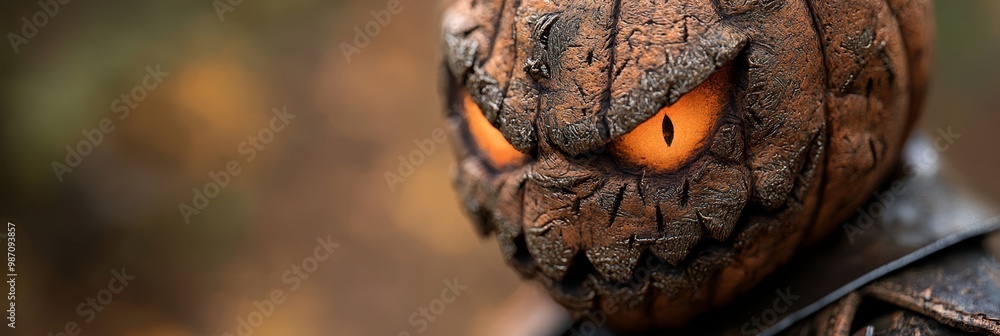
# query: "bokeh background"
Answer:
x=323 y=175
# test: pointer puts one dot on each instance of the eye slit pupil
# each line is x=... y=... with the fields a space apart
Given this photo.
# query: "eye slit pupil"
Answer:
x=668 y=130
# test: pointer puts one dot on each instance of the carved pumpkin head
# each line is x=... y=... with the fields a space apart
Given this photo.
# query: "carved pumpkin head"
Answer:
x=654 y=159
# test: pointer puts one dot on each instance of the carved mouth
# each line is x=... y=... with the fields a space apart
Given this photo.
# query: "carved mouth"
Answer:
x=587 y=229
x=583 y=274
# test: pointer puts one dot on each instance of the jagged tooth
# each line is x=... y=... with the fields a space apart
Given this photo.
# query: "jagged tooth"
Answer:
x=679 y=237
x=719 y=229
x=718 y=195
x=616 y=262
x=548 y=247
x=516 y=254
x=502 y=224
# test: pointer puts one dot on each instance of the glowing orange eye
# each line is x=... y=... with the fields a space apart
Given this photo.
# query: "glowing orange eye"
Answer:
x=489 y=139
x=676 y=134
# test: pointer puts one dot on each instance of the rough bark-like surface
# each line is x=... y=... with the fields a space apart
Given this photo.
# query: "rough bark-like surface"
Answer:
x=823 y=95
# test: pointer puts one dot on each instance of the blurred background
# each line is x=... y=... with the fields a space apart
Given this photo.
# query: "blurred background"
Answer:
x=200 y=78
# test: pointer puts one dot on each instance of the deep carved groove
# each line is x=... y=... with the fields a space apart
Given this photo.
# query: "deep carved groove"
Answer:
x=617 y=205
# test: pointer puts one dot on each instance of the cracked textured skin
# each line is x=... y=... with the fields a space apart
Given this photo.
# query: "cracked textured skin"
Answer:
x=823 y=94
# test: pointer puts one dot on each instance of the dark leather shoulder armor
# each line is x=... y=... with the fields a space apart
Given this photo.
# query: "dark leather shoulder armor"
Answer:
x=955 y=292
